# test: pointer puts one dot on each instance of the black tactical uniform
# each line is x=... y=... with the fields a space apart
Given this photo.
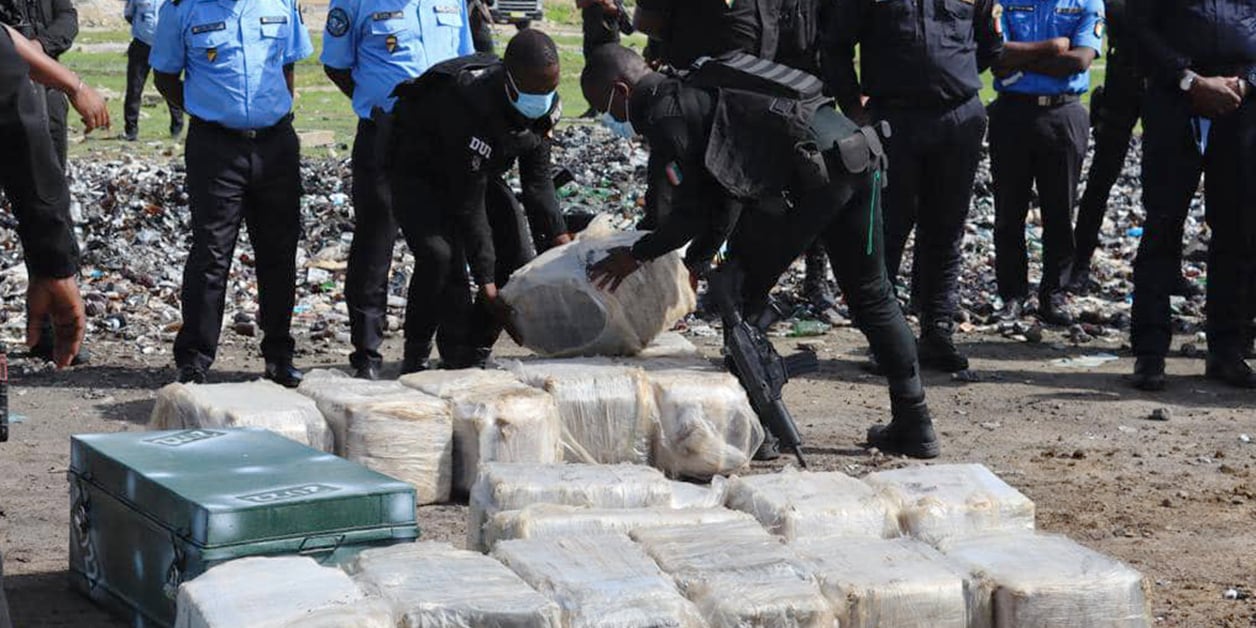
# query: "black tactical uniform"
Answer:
x=481 y=25
x=54 y=24
x=1210 y=39
x=598 y=27
x=920 y=66
x=454 y=138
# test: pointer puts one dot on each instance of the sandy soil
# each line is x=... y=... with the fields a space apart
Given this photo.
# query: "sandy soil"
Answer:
x=1175 y=499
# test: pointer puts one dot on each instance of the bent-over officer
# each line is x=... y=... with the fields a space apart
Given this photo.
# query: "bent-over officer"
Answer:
x=1038 y=130
x=457 y=131
x=369 y=47
x=243 y=164
x=142 y=16
x=920 y=68
x=804 y=147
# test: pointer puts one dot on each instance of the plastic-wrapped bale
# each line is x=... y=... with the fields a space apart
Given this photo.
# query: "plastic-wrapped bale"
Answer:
x=504 y=486
x=251 y=404
x=607 y=411
x=559 y=312
x=434 y=584
x=706 y=424
x=738 y=574
x=874 y=583
x=445 y=384
x=670 y=344
x=600 y=581
x=551 y=520
x=1026 y=579
x=282 y=592
x=503 y=423
x=410 y=438
x=689 y=495
x=953 y=500
x=799 y=505
x=335 y=393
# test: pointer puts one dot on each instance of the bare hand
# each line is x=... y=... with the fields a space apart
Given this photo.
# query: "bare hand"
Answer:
x=91 y=105
x=1061 y=45
x=562 y=238
x=1240 y=86
x=501 y=311
x=613 y=269
x=1213 y=97
x=58 y=298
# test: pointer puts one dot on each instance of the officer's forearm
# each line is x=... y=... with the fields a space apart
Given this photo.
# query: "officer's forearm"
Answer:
x=342 y=79
x=170 y=86
x=1020 y=55
x=44 y=69
x=1072 y=62
x=289 y=77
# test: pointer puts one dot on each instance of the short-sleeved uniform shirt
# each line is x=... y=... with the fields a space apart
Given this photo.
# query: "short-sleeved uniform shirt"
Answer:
x=143 y=16
x=1082 y=21
x=232 y=54
x=385 y=42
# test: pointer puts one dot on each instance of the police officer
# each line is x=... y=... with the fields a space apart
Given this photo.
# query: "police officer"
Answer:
x=1198 y=117
x=243 y=164
x=1038 y=130
x=920 y=68
x=600 y=23
x=457 y=131
x=53 y=24
x=142 y=16
x=37 y=189
x=801 y=146
x=370 y=46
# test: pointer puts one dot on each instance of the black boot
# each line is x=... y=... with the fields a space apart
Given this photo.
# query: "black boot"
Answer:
x=1079 y=279
x=1230 y=370
x=770 y=449
x=1148 y=374
x=282 y=372
x=936 y=348
x=815 y=284
x=910 y=432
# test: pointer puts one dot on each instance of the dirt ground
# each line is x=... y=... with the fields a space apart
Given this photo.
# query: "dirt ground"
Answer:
x=1175 y=499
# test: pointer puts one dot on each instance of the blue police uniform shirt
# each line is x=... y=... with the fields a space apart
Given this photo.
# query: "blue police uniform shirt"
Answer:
x=232 y=54
x=1081 y=21
x=143 y=17
x=385 y=42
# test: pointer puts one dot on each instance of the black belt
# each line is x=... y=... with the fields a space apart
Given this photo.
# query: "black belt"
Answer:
x=1053 y=100
x=248 y=134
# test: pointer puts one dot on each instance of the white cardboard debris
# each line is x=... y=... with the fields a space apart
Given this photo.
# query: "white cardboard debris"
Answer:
x=335 y=393
x=433 y=584
x=410 y=439
x=937 y=502
x=878 y=582
x=706 y=424
x=1026 y=579
x=252 y=404
x=280 y=592
x=603 y=581
x=551 y=520
x=802 y=504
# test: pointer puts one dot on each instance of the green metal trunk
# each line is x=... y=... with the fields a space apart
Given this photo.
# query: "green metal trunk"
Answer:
x=150 y=510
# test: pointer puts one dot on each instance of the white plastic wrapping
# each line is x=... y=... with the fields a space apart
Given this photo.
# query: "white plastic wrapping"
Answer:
x=670 y=344
x=600 y=581
x=802 y=504
x=444 y=384
x=876 y=583
x=738 y=574
x=334 y=393
x=706 y=424
x=953 y=500
x=559 y=312
x=688 y=495
x=281 y=592
x=261 y=404
x=504 y=486
x=1026 y=579
x=432 y=584
x=607 y=411
x=550 y=520
x=410 y=438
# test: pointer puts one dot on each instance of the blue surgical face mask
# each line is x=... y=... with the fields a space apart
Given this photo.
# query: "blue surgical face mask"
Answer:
x=532 y=106
x=621 y=128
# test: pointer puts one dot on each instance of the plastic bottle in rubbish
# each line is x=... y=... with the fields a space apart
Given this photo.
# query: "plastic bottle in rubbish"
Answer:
x=1134 y=232
x=808 y=328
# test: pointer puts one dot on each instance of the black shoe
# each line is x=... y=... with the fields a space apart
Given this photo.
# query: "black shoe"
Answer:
x=936 y=350
x=44 y=349
x=1148 y=374
x=1053 y=310
x=1186 y=288
x=131 y=136
x=1231 y=371
x=409 y=365
x=368 y=372
x=1079 y=282
x=770 y=449
x=191 y=375
x=910 y=433
x=284 y=374
x=1013 y=310
x=176 y=130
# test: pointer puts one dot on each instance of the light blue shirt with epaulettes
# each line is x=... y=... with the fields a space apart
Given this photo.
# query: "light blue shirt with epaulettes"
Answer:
x=232 y=54
x=385 y=42
x=1081 y=21
x=142 y=14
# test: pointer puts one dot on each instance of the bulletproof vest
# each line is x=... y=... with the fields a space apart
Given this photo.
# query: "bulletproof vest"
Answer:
x=444 y=71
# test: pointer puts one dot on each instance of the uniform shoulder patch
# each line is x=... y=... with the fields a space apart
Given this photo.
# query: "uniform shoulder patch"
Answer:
x=337 y=22
x=1099 y=27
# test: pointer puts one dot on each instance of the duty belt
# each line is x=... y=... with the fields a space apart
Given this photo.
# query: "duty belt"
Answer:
x=1053 y=100
x=249 y=134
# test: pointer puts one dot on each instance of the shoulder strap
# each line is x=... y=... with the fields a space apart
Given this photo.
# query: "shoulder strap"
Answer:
x=444 y=71
x=753 y=74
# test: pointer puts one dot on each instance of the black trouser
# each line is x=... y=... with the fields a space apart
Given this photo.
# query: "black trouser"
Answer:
x=5 y=621
x=136 y=75
x=481 y=27
x=598 y=30
x=370 y=255
x=1114 y=110
x=439 y=297
x=58 y=111
x=933 y=155
x=1031 y=144
x=1172 y=165
x=233 y=179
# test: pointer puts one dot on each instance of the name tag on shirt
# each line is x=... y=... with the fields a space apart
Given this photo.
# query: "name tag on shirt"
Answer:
x=1026 y=8
x=447 y=8
x=209 y=28
x=387 y=15
x=274 y=19
x=1068 y=11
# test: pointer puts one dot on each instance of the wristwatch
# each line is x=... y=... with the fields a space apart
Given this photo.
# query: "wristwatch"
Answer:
x=1188 y=79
